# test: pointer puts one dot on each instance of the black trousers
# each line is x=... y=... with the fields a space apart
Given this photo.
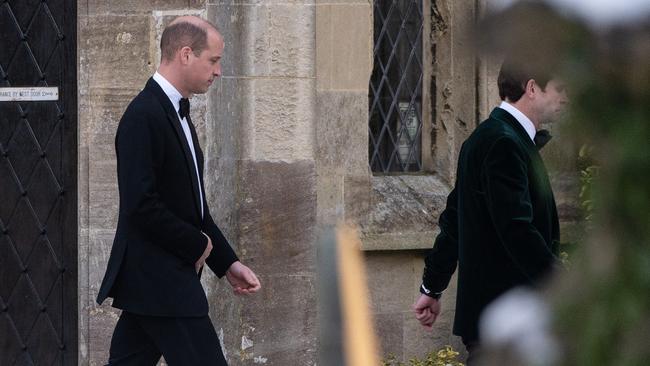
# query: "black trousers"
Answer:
x=141 y=340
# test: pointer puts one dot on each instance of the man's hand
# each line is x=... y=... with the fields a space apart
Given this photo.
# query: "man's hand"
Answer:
x=201 y=262
x=242 y=279
x=426 y=310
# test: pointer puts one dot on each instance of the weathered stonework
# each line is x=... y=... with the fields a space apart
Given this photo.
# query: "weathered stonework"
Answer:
x=399 y=332
x=279 y=323
x=285 y=136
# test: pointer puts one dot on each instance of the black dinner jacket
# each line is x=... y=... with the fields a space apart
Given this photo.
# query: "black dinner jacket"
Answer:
x=158 y=239
x=500 y=224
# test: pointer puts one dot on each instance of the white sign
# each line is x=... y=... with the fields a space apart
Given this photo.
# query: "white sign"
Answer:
x=28 y=94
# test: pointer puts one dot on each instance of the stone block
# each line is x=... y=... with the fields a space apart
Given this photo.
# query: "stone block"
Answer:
x=83 y=293
x=82 y=172
x=282 y=112
x=269 y=118
x=343 y=46
x=261 y=2
x=422 y=341
x=342 y=129
x=100 y=319
x=227 y=119
x=391 y=281
x=105 y=109
x=270 y=39
x=100 y=117
x=357 y=191
x=103 y=195
x=455 y=81
x=126 y=7
x=100 y=244
x=277 y=213
x=225 y=313
x=342 y=156
x=101 y=322
x=221 y=149
x=279 y=324
x=488 y=90
x=330 y=193
x=403 y=207
x=399 y=240
x=197 y=4
x=103 y=206
x=275 y=237
x=119 y=41
x=220 y=178
x=340 y=2
x=199 y=116
x=390 y=337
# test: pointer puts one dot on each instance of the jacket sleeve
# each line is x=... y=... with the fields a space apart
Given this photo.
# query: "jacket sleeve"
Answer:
x=139 y=151
x=505 y=178
x=222 y=254
x=441 y=261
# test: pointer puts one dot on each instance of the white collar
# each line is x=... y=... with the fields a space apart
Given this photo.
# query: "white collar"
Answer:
x=172 y=93
x=524 y=121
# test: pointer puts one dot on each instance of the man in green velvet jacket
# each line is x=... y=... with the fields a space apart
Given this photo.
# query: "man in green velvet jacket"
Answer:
x=500 y=226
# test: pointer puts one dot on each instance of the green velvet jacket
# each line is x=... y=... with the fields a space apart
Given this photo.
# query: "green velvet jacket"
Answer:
x=500 y=226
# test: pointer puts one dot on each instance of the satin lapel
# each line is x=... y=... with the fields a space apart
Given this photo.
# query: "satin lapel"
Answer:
x=197 y=148
x=172 y=117
x=199 y=155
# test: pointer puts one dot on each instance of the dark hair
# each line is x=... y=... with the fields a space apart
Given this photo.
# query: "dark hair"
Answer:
x=515 y=74
x=181 y=34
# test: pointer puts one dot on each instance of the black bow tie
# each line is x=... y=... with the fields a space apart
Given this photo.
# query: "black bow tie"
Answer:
x=542 y=137
x=184 y=110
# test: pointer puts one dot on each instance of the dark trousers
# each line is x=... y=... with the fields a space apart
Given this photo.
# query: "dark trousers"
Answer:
x=141 y=340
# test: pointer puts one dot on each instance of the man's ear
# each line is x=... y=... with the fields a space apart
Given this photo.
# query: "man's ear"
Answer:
x=531 y=87
x=184 y=54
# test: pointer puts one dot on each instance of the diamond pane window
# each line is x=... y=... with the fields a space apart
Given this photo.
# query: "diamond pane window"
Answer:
x=395 y=124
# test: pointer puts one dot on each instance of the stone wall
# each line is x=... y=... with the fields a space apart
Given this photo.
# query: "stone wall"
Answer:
x=285 y=134
x=400 y=222
x=262 y=132
x=256 y=128
x=115 y=60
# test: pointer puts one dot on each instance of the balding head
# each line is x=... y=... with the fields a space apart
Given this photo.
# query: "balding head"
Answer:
x=185 y=31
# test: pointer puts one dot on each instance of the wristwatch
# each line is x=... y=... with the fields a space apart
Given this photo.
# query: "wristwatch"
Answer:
x=426 y=291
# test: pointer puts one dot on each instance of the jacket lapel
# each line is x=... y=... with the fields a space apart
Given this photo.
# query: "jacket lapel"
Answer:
x=172 y=118
x=537 y=165
x=199 y=157
x=503 y=116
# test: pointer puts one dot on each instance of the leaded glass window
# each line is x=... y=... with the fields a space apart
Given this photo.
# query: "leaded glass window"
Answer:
x=395 y=94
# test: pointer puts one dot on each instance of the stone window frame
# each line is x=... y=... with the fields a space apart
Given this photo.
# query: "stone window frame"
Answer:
x=458 y=92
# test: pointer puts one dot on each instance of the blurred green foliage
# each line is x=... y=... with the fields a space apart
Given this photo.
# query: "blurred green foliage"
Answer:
x=603 y=304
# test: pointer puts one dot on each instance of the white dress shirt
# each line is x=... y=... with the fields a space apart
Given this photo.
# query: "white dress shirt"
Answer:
x=175 y=97
x=524 y=121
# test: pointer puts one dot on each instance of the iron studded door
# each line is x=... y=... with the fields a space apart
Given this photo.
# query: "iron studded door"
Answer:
x=38 y=200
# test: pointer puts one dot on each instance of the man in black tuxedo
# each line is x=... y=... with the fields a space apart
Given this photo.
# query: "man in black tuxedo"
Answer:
x=500 y=226
x=165 y=233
